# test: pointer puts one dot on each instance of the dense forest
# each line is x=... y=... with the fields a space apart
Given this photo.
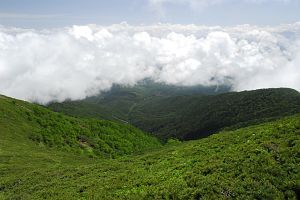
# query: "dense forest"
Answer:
x=193 y=117
x=40 y=159
x=185 y=112
x=120 y=101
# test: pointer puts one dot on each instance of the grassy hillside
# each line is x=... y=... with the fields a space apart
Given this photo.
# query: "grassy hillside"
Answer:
x=25 y=121
x=257 y=162
x=187 y=115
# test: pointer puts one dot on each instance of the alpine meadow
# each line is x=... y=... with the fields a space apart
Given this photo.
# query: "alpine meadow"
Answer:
x=150 y=99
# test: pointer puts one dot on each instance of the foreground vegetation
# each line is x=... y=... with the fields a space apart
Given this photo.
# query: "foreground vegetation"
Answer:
x=257 y=162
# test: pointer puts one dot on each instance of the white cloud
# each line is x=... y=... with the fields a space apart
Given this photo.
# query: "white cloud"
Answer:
x=80 y=61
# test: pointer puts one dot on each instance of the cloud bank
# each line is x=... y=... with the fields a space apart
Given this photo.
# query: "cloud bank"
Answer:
x=80 y=61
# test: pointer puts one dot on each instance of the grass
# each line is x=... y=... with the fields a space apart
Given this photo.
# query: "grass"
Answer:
x=257 y=162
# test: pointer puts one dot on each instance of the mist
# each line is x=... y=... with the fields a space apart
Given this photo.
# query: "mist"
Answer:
x=80 y=61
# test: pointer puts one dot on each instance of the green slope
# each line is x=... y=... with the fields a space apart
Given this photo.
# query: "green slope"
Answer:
x=257 y=162
x=99 y=138
x=186 y=114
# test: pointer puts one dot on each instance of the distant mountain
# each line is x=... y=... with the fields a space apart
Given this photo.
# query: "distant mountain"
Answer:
x=193 y=116
x=117 y=103
x=185 y=112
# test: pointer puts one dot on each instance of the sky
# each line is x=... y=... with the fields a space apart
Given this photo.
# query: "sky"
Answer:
x=72 y=49
x=60 y=13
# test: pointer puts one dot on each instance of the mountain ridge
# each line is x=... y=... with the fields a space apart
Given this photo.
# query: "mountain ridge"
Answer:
x=188 y=116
